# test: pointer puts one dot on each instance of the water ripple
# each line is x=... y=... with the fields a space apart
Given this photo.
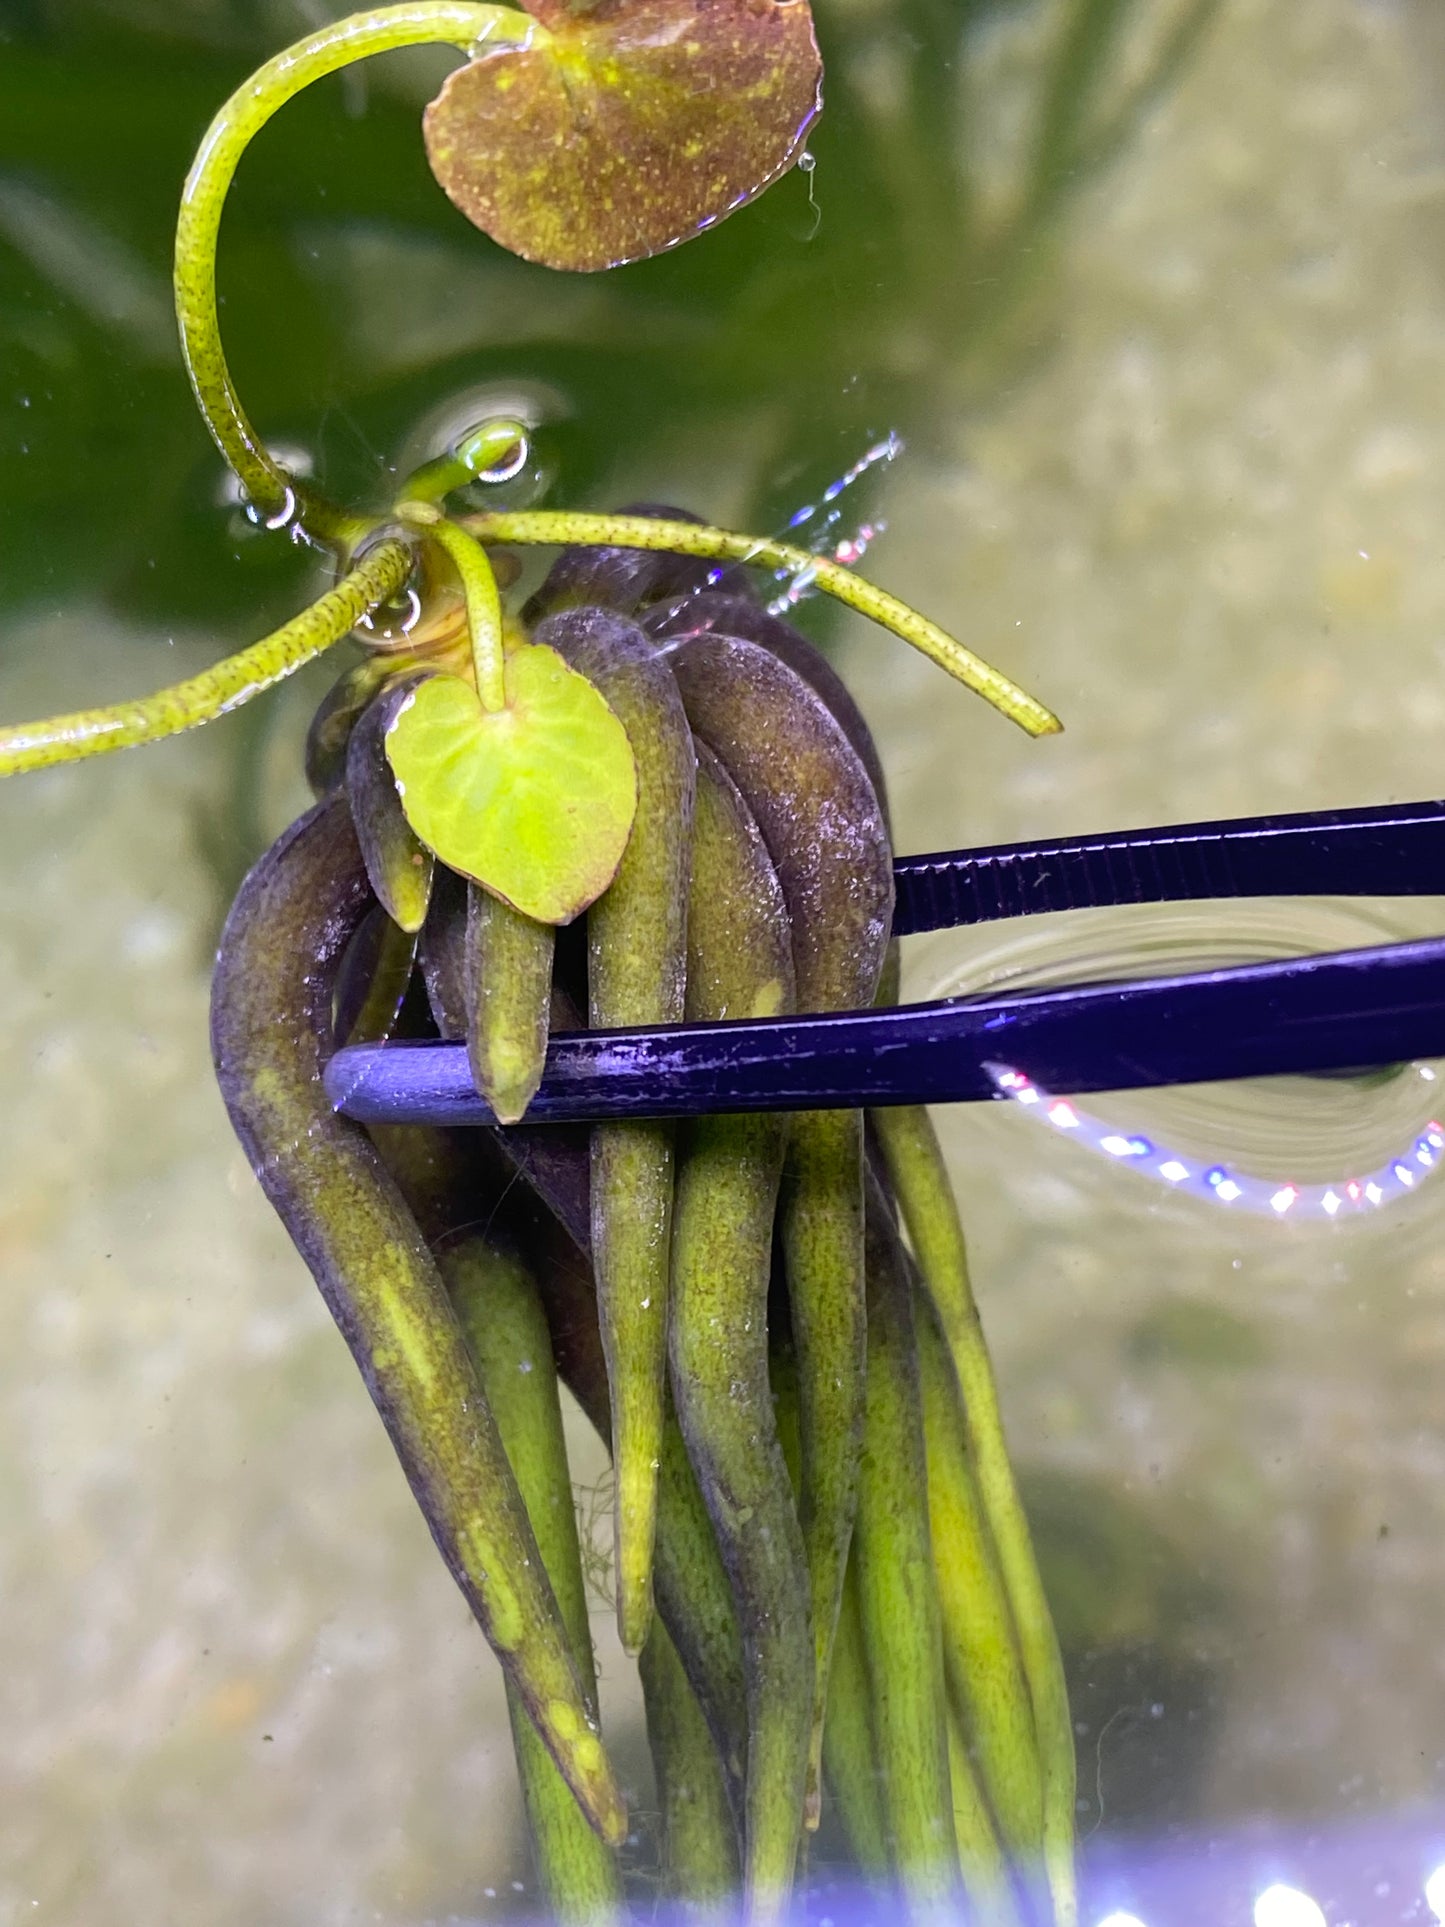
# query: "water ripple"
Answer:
x=1322 y=1147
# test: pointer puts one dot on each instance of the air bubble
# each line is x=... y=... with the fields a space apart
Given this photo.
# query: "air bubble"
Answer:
x=496 y=450
x=387 y=632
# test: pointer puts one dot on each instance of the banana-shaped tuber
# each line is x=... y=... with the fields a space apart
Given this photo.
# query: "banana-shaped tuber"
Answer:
x=508 y=964
x=898 y=1594
x=985 y=1674
x=820 y=819
x=271 y=1035
x=920 y=1179
x=399 y=866
x=740 y=965
x=694 y=1598
x=699 y=1847
x=637 y=955
x=502 y=1319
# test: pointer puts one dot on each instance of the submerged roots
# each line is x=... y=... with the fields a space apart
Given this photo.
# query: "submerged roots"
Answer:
x=810 y=1478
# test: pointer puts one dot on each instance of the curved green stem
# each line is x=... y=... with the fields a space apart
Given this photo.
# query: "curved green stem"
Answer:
x=498 y=444
x=228 y=684
x=454 y=22
x=562 y=526
x=479 y=586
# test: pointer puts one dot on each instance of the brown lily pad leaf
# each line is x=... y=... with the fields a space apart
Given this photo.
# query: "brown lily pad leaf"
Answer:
x=626 y=129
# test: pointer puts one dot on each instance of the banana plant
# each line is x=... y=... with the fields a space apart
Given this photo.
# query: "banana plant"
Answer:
x=799 y=1403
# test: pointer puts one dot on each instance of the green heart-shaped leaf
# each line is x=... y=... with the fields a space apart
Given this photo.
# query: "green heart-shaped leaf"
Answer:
x=624 y=130
x=534 y=801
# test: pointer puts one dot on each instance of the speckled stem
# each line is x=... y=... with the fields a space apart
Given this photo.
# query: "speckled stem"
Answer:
x=694 y=538
x=699 y=1846
x=898 y=1596
x=185 y=705
x=920 y=1179
x=850 y=1755
x=850 y=1748
x=509 y=973
x=739 y=965
x=505 y=1327
x=985 y=1674
x=631 y=581
x=637 y=942
x=819 y=816
x=985 y=1873
x=271 y=1036
x=453 y=22
x=694 y=1600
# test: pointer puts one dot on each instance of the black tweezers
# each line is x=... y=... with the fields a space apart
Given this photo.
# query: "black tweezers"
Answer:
x=1341 y=1010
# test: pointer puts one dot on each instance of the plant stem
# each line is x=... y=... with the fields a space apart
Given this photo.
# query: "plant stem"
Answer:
x=898 y=1597
x=453 y=22
x=699 y=1844
x=484 y=604
x=226 y=685
x=485 y=448
x=563 y=526
x=272 y=1034
x=930 y=1214
x=505 y=1327
x=980 y=1644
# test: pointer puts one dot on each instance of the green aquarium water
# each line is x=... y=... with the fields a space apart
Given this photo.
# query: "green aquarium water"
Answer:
x=1131 y=316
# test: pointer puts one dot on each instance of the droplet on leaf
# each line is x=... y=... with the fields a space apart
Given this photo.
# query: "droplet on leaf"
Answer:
x=534 y=801
x=622 y=131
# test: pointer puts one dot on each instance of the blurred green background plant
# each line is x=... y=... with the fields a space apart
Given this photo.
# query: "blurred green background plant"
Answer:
x=855 y=299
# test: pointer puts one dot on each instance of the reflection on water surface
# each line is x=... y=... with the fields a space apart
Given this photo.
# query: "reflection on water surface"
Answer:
x=1329 y=1147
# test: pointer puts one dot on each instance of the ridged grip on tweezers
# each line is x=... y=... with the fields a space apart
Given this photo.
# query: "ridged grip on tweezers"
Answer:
x=1395 y=850
x=1381 y=1005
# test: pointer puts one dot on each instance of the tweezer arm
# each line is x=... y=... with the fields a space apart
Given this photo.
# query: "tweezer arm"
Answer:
x=1333 y=1012
x=1393 y=850
x=1375 y=1006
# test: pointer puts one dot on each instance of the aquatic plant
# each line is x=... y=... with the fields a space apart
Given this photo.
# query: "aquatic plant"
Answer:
x=811 y=1475
x=909 y=275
